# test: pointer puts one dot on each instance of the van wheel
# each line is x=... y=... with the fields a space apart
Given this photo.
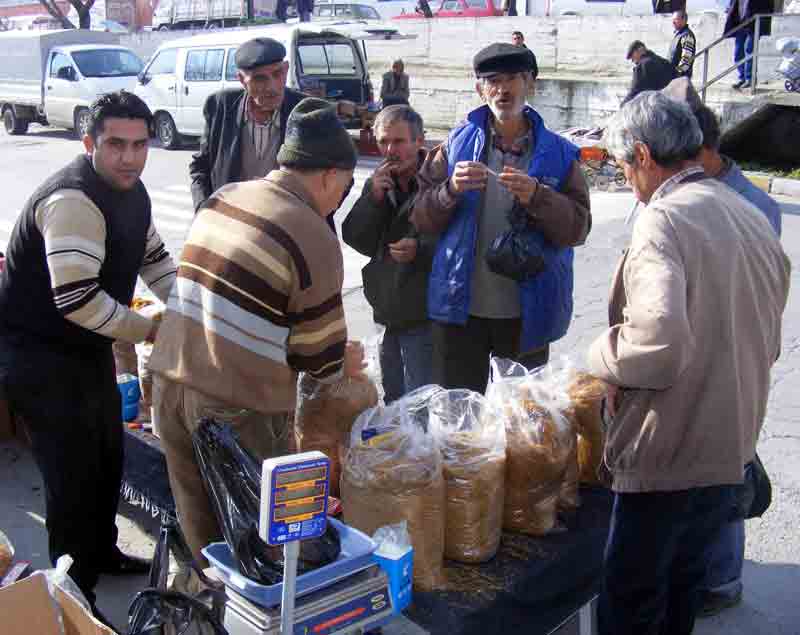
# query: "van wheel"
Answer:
x=163 y=27
x=83 y=121
x=166 y=131
x=13 y=124
x=214 y=25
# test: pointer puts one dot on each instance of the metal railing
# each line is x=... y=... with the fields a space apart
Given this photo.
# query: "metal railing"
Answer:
x=747 y=58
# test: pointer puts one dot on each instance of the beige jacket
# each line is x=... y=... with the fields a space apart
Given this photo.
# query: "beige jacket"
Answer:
x=695 y=314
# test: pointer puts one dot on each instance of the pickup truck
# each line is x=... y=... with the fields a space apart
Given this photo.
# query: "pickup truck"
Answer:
x=52 y=77
x=209 y=14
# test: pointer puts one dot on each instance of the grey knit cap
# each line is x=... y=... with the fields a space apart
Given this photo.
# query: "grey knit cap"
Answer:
x=316 y=139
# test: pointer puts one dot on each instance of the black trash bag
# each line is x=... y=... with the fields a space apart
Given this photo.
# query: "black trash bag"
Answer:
x=153 y=610
x=517 y=253
x=233 y=479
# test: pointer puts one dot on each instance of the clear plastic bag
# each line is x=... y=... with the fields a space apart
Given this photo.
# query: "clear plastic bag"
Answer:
x=59 y=577
x=392 y=473
x=392 y=540
x=233 y=479
x=539 y=439
x=472 y=440
x=587 y=393
x=326 y=412
x=154 y=311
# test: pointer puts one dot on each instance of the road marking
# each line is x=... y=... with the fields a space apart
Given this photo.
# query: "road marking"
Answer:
x=179 y=188
x=171 y=225
x=179 y=199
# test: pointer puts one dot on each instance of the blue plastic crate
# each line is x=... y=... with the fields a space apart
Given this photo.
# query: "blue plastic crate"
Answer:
x=356 y=555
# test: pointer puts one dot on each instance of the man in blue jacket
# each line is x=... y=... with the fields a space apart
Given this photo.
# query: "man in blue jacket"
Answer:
x=502 y=159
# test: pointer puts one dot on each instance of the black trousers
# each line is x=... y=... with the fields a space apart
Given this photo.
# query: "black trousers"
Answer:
x=461 y=353
x=72 y=412
x=654 y=565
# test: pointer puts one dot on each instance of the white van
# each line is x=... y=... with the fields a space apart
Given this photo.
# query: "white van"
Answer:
x=324 y=60
x=52 y=77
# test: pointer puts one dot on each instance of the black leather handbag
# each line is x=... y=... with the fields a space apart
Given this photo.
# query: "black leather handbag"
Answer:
x=756 y=496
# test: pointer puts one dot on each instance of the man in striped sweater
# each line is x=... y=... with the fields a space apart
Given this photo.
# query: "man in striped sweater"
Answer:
x=257 y=300
x=71 y=268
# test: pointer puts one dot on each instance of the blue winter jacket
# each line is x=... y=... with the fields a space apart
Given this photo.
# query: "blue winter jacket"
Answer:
x=546 y=299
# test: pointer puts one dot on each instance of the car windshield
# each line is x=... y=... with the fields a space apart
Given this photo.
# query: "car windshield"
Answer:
x=107 y=63
x=366 y=13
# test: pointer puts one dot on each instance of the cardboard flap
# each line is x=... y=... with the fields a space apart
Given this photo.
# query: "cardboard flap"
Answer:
x=26 y=608
x=77 y=621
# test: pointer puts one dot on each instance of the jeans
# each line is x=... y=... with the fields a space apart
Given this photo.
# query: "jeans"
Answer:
x=405 y=361
x=305 y=16
x=654 y=568
x=743 y=46
x=724 y=560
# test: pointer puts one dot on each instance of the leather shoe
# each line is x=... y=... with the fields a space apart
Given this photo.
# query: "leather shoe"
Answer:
x=123 y=564
x=714 y=603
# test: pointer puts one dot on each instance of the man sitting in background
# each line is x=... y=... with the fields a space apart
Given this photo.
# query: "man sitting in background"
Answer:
x=394 y=89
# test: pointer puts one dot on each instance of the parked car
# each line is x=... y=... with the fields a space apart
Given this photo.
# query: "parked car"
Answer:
x=56 y=75
x=324 y=60
x=344 y=11
x=459 y=9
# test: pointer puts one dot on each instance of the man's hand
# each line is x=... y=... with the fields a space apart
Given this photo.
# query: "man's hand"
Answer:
x=354 y=359
x=404 y=250
x=519 y=184
x=156 y=323
x=468 y=176
x=382 y=182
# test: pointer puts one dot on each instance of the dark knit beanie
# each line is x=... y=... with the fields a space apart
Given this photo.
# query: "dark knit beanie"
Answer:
x=316 y=139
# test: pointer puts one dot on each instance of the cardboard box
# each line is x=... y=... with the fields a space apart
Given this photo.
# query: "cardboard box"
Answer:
x=26 y=608
x=400 y=570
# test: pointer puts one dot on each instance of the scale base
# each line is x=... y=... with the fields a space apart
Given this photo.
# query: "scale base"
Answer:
x=360 y=601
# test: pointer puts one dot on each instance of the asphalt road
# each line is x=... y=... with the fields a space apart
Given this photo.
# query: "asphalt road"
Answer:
x=772 y=569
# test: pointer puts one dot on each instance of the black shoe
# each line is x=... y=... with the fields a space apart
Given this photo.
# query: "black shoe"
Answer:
x=123 y=564
x=738 y=85
x=714 y=603
x=98 y=615
x=747 y=84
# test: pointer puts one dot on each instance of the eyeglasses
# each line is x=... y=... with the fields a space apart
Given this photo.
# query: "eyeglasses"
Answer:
x=153 y=609
x=501 y=78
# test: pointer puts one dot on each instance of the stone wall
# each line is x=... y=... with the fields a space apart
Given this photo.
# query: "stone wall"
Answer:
x=584 y=73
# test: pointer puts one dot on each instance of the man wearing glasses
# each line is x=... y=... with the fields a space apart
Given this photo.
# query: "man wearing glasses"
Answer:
x=501 y=163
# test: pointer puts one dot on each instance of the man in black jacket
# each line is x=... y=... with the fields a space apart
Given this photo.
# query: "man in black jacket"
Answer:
x=683 y=47
x=245 y=128
x=651 y=71
x=396 y=278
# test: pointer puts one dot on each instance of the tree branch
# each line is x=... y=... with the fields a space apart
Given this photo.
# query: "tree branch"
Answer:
x=54 y=10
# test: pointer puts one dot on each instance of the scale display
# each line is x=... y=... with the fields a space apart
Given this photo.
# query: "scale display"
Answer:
x=294 y=497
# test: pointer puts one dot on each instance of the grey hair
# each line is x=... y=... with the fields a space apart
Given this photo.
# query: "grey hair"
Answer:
x=400 y=112
x=667 y=127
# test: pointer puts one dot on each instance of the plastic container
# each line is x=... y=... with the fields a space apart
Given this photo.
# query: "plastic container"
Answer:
x=129 y=391
x=356 y=554
x=399 y=567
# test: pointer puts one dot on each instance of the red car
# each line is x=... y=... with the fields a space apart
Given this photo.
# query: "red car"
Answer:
x=459 y=9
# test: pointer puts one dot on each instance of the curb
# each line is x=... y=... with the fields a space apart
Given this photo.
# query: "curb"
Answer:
x=776 y=185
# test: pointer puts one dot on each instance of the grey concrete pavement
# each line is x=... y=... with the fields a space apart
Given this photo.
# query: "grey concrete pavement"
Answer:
x=772 y=570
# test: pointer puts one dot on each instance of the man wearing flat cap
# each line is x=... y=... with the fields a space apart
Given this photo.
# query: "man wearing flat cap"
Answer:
x=256 y=301
x=501 y=165
x=244 y=128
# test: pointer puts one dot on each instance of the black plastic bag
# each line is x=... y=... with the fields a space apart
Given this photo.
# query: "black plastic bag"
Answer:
x=154 y=611
x=233 y=479
x=516 y=253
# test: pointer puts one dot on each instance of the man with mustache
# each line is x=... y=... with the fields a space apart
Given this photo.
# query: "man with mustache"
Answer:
x=501 y=162
x=396 y=278
x=245 y=128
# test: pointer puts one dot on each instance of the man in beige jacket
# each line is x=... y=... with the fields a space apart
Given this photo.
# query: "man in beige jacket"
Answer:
x=695 y=315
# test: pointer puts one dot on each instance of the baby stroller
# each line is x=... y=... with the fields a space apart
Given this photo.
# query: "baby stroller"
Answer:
x=789 y=67
x=600 y=168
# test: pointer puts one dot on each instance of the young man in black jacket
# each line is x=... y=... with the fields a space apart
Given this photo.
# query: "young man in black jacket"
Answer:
x=651 y=71
x=684 y=45
x=244 y=129
x=396 y=278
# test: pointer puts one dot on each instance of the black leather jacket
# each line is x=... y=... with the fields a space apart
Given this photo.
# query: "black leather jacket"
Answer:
x=219 y=160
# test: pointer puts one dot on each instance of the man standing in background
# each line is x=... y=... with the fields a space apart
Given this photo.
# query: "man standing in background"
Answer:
x=650 y=71
x=683 y=47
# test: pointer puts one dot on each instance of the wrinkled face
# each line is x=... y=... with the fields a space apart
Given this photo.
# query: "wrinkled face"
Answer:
x=643 y=173
x=517 y=39
x=120 y=151
x=504 y=93
x=397 y=145
x=265 y=84
x=677 y=21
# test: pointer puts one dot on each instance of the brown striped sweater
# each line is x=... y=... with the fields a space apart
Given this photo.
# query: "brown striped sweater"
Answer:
x=258 y=298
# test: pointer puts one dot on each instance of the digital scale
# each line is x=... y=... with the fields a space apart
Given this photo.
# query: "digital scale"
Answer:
x=345 y=596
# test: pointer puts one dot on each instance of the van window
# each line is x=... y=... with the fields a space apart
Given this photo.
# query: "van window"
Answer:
x=327 y=59
x=164 y=63
x=323 y=12
x=230 y=67
x=58 y=62
x=107 y=63
x=204 y=65
x=452 y=5
x=364 y=12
